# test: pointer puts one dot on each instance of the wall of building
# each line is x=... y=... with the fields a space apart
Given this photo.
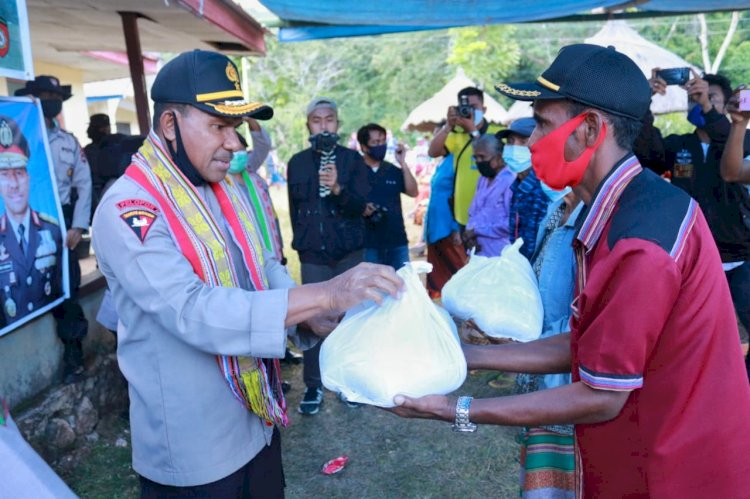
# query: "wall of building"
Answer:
x=31 y=356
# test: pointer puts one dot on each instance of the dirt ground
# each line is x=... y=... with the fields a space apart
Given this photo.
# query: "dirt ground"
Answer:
x=389 y=457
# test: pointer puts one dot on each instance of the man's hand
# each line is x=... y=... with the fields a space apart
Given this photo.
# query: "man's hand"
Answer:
x=657 y=83
x=322 y=325
x=697 y=90
x=456 y=238
x=369 y=210
x=401 y=155
x=366 y=281
x=437 y=407
x=450 y=118
x=470 y=239
x=73 y=238
x=466 y=123
x=740 y=118
x=329 y=178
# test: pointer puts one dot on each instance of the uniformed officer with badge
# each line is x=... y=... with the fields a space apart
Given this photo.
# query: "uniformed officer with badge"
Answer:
x=73 y=177
x=30 y=241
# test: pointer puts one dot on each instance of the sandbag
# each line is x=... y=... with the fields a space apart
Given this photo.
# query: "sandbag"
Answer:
x=404 y=346
x=500 y=294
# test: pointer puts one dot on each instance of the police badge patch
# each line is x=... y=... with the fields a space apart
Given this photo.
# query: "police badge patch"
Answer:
x=139 y=221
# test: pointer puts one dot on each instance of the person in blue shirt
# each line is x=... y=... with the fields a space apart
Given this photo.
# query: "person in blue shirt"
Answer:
x=547 y=457
x=385 y=235
x=445 y=250
x=529 y=202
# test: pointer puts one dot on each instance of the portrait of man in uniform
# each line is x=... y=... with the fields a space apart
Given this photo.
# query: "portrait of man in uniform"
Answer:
x=30 y=241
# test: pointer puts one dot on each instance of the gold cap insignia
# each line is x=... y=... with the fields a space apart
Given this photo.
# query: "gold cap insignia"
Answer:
x=233 y=76
x=6 y=135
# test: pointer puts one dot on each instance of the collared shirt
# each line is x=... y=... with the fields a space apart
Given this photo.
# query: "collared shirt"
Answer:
x=71 y=172
x=489 y=214
x=528 y=207
x=26 y=222
x=187 y=427
x=653 y=316
x=386 y=186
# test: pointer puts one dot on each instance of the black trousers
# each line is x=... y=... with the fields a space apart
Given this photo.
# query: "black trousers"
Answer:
x=72 y=325
x=261 y=478
x=312 y=273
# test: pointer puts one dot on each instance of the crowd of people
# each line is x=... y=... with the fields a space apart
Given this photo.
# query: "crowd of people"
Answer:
x=640 y=245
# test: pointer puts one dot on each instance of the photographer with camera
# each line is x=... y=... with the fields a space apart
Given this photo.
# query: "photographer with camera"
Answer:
x=385 y=235
x=693 y=160
x=456 y=137
x=328 y=189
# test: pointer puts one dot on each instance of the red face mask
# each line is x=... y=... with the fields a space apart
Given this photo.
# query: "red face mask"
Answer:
x=548 y=156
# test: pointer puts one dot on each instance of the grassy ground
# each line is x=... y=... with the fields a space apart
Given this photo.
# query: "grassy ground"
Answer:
x=389 y=457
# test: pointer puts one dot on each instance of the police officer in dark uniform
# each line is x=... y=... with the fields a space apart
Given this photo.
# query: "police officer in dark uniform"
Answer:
x=30 y=242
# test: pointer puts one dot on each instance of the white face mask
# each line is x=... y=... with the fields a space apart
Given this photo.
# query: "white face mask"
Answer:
x=478 y=116
x=517 y=158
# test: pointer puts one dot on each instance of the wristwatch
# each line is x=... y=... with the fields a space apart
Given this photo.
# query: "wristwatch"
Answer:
x=475 y=134
x=462 y=423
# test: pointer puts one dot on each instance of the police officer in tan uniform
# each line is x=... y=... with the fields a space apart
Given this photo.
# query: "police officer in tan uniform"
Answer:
x=74 y=190
x=190 y=435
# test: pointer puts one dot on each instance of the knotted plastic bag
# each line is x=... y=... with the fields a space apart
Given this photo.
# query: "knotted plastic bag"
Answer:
x=500 y=294
x=404 y=346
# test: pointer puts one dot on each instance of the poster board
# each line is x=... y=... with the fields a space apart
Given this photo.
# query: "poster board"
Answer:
x=33 y=270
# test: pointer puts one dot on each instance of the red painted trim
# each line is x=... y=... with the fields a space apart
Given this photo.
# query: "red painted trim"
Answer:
x=231 y=18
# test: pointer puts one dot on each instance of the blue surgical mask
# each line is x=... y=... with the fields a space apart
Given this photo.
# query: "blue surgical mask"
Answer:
x=517 y=158
x=238 y=163
x=554 y=195
x=695 y=115
x=478 y=115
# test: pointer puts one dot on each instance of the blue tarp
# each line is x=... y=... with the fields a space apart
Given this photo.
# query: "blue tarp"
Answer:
x=346 y=18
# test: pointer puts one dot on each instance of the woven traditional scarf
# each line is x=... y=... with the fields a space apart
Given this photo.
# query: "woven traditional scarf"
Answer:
x=256 y=383
x=266 y=215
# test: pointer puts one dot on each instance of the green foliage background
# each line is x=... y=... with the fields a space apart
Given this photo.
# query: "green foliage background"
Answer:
x=381 y=79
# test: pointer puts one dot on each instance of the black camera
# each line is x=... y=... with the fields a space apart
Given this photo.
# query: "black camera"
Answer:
x=674 y=76
x=378 y=215
x=464 y=108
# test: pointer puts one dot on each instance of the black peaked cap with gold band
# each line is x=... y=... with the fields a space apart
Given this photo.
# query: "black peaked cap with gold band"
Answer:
x=208 y=81
x=593 y=75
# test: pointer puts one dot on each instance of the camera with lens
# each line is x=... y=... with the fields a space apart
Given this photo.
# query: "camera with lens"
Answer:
x=464 y=108
x=378 y=215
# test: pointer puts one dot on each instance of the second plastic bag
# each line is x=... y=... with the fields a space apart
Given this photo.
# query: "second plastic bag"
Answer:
x=404 y=346
x=500 y=294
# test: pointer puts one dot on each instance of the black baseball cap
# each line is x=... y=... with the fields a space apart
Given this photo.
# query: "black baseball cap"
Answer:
x=208 y=81
x=597 y=76
x=45 y=83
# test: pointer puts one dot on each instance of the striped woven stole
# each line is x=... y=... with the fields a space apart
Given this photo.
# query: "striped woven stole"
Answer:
x=256 y=383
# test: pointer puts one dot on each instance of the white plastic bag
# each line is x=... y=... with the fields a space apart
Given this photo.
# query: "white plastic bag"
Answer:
x=404 y=346
x=500 y=294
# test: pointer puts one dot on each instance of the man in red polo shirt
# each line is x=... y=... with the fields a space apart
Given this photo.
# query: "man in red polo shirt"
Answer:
x=659 y=396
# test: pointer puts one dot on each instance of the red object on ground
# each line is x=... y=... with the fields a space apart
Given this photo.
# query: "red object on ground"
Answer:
x=334 y=465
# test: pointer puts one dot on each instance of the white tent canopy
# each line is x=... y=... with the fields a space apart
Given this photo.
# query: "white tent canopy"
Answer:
x=647 y=55
x=519 y=109
x=428 y=114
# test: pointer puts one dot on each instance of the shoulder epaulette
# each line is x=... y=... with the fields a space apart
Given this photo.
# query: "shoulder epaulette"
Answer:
x=47 y=218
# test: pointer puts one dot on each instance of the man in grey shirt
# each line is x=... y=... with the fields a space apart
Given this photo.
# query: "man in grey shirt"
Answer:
x=190 y=434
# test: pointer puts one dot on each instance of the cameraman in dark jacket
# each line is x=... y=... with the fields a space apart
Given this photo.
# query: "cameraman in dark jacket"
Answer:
x=327 y=197
x=693 y=160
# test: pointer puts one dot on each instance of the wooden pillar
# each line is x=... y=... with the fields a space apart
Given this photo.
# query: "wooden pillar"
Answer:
x=137 y=75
